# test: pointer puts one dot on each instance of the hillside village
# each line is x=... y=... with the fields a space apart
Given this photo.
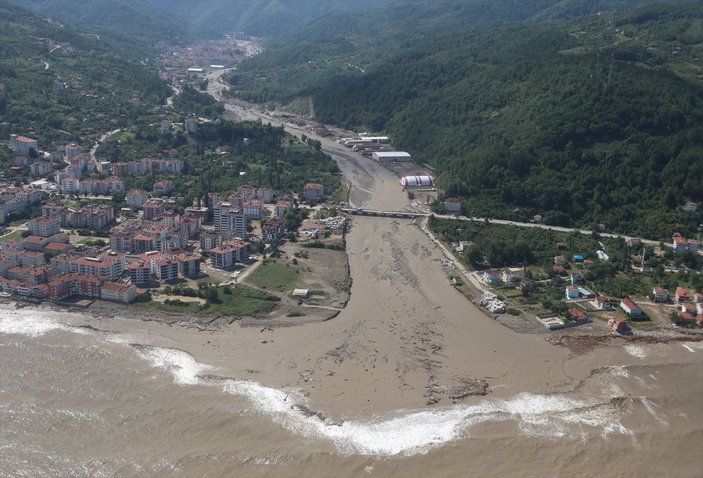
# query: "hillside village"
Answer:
x=71 y=244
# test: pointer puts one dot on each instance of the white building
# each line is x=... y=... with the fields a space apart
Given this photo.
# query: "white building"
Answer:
x=22 y=144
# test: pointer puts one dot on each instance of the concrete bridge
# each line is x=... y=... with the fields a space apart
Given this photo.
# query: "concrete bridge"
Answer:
x=378 y=213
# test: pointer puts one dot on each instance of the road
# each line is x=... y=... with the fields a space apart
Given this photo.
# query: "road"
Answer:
x=360 y=166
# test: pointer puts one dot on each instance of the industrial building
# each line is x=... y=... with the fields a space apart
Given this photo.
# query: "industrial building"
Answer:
x=391 y=156
x=417 y=181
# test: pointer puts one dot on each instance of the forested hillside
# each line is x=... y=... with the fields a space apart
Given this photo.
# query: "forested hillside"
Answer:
x=66 y=85
x=592 y=120
x=264 y=18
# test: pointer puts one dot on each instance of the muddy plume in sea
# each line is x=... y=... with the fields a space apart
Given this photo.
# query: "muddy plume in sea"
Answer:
x=78 y=401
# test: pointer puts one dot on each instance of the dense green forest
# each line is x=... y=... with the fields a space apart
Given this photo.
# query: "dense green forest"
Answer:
x=133 y=24
x=255 y=17
x=592 y=120
x=66 y=86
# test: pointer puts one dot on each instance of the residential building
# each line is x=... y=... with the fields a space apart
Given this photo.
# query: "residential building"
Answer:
x=560 y=260
x=578 y=315
x=313 y=192
x=681 y=244
x=140 y=273
x=630 y=307
x=188 y=265
x=44 y=225
x=572 y=292
x=167 y=269
x=272 y=230
x=153 y=207
x=576 y=278
x=682 y=295
x=253 y=209
x=228 y=254
x=690 y=206
x=118 y=292
x=208 y=241
x=110 y=265
x=163 y=188
x=191 y=125
x=281 y=209
x=603 y=303
x=68 y=285
x=136 y=198
x=40 y=169
x=492 y=276
x=229 y=221
x=265 y=194
x=69 y=185
x=660 y=294
x=453 y=205
x=619 y=324
x=22 y=144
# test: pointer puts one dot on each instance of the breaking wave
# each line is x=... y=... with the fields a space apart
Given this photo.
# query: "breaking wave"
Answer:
x=401 y=432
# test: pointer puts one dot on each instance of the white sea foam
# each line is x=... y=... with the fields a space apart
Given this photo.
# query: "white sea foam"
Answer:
x=413 y=432
x=650 y=406
x=636 y=351
x=693 y=346
x=32 y=326
x=619 y=371
x=182 y=366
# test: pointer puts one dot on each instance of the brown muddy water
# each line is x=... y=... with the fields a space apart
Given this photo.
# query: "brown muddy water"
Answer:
x=81 y=402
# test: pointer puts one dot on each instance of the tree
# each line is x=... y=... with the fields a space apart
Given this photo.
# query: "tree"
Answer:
x=474 y=256
x=212 y=295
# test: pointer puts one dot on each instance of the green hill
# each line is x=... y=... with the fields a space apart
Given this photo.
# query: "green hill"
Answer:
x=597 y=119
x=133 y=23
x=103 y=91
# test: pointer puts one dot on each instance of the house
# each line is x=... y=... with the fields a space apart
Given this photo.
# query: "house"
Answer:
x=559 y=269
x=313 y=192
x=603 y=303
x=572 y=292
x=619 y=324
x=492 y=276
x=453 y=205
x=510 y=277
x=660 y=294
x=118 y=292
x=681 y=295
x=630 y=307
x=560 y=260
x=681 y=244
x=578 y=316
x=537 y=218
x=576 y=279
x=690 y=206
x=689 y=307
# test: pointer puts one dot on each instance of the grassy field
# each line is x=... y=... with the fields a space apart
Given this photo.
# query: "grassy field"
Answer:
x=243 y=301
x=11 y=236
x=275 y=275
